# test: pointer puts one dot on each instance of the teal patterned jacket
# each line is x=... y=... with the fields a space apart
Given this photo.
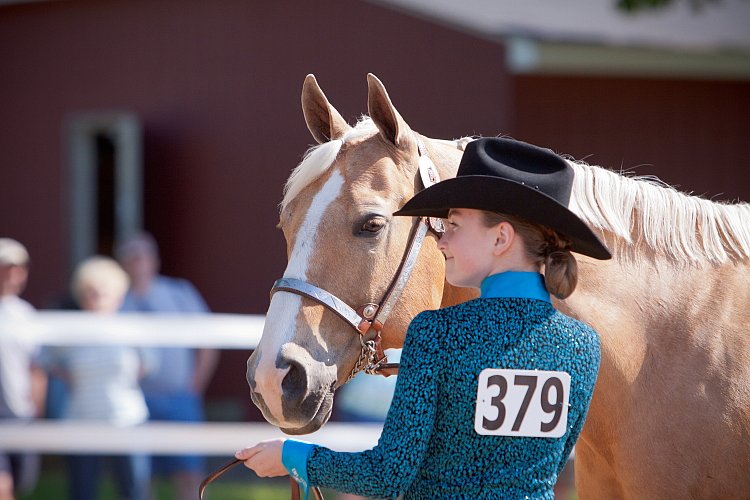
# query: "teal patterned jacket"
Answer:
x=429 y=447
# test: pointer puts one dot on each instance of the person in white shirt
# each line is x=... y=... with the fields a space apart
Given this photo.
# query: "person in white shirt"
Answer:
x=104 y=384
x=22 y=384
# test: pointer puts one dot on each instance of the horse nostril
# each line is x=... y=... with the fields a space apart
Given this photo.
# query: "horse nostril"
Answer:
x=252 y=365
x=294 y=385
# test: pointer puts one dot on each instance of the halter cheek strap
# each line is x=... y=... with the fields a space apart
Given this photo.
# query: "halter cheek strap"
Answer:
x=334 y=304
x=372 y=316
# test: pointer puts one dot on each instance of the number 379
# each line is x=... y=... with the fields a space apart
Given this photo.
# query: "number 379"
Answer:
x=526 y=403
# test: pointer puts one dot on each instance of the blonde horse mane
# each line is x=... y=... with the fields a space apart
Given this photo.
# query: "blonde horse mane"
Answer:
x=643 y=210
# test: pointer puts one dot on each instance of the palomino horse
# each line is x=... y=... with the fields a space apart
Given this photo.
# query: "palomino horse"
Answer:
x=670 y=417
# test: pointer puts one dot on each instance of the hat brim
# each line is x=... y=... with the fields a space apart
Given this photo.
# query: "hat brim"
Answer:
x=500 y=195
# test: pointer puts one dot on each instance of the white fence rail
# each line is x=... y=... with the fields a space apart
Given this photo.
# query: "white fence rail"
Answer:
x=168 y=438
x=221 y=331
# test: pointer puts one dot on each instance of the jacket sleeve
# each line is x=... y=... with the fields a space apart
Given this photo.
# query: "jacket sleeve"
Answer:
x=389 y=468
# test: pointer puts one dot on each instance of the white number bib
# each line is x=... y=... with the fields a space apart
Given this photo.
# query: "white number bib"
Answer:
x=527 y=403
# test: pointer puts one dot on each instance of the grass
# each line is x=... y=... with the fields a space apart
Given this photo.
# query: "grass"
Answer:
x=53 y=485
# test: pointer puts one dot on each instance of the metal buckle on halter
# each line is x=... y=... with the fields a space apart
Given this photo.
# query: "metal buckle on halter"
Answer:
x=429 y=175
x=372 y=352
x=437 y=225
x=368 y=312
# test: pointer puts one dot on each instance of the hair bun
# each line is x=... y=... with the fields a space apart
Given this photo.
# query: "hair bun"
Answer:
x=560 y=273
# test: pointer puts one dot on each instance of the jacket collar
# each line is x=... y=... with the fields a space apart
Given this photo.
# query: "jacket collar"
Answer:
x=515 y=284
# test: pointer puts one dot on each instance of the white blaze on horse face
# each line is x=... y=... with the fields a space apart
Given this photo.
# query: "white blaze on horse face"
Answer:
x=305 y=240
x=281 y=318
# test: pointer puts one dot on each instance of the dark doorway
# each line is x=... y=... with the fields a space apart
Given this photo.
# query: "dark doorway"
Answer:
x=105 y=151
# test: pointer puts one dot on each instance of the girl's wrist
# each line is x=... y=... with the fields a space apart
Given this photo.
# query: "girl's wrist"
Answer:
x=294 y=458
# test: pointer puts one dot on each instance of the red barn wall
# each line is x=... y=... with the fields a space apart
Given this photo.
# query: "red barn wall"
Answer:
x=692 y=134
x=217 y=87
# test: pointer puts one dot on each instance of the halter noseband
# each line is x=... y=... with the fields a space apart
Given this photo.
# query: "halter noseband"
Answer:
x=372 y=316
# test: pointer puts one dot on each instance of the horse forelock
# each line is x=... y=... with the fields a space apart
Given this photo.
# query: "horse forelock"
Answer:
x=642 y=209
x=318 y=159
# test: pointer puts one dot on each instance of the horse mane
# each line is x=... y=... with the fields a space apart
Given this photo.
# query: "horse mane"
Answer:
x=644 y=210
x=319 y=158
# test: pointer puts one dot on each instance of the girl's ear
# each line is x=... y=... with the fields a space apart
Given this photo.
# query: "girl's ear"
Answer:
x=504 y=235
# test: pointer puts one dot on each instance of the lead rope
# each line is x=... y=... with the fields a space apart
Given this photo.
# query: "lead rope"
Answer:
x=224 y=468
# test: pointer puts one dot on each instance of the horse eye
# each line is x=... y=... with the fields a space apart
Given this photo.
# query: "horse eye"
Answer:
x=372 y=226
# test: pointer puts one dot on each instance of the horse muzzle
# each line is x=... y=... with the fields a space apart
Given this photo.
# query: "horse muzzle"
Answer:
x=293 y=393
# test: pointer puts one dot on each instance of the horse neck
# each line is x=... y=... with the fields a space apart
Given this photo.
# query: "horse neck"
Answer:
x=655 y=293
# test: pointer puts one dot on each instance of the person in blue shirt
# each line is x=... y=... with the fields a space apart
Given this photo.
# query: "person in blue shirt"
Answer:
x=492 y=393
x=174 y=390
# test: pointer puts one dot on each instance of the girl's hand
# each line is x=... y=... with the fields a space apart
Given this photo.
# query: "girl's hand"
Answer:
x=264 y=458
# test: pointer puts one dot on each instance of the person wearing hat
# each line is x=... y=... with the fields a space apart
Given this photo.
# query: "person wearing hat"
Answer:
x=22 y=382
x=492 y=393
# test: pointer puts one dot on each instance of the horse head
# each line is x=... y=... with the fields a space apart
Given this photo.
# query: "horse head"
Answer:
x=342 y=240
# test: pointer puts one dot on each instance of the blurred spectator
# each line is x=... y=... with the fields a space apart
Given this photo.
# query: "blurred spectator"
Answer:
x=21 y=383
x=175 y=390
x=57 y=389
x=103 y=384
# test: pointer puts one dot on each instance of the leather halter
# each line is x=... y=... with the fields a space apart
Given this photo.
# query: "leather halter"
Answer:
x=372 y=316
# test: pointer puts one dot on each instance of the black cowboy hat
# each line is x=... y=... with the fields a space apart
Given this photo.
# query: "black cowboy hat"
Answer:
x=514 y=178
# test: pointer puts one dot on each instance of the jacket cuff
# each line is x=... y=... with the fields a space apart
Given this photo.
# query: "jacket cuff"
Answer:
x=294 y=457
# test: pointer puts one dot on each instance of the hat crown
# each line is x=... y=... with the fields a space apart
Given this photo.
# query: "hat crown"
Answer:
x=527 y=164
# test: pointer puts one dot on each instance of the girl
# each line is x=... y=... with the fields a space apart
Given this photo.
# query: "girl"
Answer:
x=104 y=384
x=492 y=393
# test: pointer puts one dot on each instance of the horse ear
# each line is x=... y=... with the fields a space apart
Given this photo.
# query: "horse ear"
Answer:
x=323 y=121
x=391 y=125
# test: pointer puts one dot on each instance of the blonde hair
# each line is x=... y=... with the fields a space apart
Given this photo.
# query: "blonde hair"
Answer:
x=13 y=253
x=547 y=249
x=97 y=271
